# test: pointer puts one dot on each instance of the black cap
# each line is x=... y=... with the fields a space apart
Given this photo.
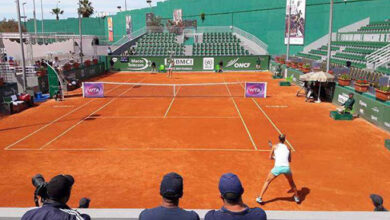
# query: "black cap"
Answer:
x=171 y=186
x=230 y=186
x=60 y=187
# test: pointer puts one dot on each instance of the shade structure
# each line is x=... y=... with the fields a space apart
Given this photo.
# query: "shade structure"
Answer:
x=317 y=77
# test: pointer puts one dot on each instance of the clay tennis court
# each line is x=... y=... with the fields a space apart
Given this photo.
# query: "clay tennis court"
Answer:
x=119 y=147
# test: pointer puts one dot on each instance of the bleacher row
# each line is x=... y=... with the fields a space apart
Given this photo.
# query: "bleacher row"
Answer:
x=353 y=51
x=377 y=26
x=219 y=44
x=159 y=44
x=219 y=49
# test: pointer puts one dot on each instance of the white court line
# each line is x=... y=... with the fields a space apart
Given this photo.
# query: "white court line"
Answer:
x=269 y=119
x=143 y=149
x=47 y=125
x=242 y=120
x=161 y=117
x=273 y=124
x=170 y=105
x=81 y=121
x=192 y=149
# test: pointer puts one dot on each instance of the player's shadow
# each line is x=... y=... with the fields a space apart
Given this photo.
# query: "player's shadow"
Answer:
x=302 y=196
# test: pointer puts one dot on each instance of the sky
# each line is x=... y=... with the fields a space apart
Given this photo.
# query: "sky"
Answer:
x=8 y=7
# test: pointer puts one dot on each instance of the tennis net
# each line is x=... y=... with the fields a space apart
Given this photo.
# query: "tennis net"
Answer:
x=127 y=89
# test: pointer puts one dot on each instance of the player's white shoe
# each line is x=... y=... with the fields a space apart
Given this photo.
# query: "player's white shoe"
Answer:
x=259 y=200
x=296 y=199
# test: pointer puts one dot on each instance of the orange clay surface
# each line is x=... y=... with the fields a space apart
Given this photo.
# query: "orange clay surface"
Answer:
x=119 y=147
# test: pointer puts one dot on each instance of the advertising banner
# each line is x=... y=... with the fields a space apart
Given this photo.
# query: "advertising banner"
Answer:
x=297 y=21
x=208 y=63
x=93 y=90
x=110 y=29
x=177 y=16
x=369 y=108
x=230 y=63
x=129 y=25
x=256 y=90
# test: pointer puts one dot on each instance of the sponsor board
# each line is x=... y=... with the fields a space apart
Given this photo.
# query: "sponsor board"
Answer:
x=361 y=103
x=138 y=64
x=180 y=61
x=375 y=109
x=238 y=65
x=256 y=90
x=93 y=90
x=208 y=63
x=342 y=98
x=189 y=63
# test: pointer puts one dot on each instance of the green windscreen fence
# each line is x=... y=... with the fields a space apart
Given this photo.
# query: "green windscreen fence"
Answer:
x=265 y=19
x=374 y=111
x=229 y=63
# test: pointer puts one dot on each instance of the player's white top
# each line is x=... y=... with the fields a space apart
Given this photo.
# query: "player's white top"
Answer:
x=281 y=153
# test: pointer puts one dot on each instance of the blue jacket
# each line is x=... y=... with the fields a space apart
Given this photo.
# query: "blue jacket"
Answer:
x=54 y=211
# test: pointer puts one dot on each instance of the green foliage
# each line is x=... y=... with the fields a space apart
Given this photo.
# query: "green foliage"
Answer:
x=385 y=88
x=57 y=12
x=345 y=77
x=10 y=26
x=86 y=9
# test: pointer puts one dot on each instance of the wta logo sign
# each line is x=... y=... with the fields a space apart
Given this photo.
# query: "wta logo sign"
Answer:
x=256 y=90
x=93 y=90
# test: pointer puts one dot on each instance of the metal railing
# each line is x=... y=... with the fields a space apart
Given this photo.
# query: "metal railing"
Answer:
x=250 y=37
x=379 y=57
x=50 y=35
x=128 y=38
x=236 y=30
x=214 y=29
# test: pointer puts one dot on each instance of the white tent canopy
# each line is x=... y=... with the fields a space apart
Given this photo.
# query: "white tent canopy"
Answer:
x=317 y=77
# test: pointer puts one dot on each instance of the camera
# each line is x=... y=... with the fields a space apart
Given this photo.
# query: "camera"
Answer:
x=40 y=189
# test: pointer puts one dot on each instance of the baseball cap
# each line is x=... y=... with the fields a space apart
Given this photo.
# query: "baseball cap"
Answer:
x=171 y=186
x=60 y=186
x=230 y=183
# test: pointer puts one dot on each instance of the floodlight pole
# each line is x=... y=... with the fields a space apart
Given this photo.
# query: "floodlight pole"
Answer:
x=288 y=32
x=35 y=19
x=125 y=5
x=21 y=44
x=81 y=34
x=330 y=36
x=42 y=28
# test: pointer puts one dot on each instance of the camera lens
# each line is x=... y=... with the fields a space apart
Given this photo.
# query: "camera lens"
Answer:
x=38 y=180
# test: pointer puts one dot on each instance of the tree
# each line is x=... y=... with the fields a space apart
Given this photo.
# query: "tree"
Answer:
x=10 y=26
x=86 y=8
x=57 y=11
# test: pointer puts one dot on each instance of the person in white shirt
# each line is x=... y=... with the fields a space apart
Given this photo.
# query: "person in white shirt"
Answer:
x=282 y=156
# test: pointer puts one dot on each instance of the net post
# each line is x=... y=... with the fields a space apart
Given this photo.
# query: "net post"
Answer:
x=245 y=89
x=82 y=89
x=174 y=90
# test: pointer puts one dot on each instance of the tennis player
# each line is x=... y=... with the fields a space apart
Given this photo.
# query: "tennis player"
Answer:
x=282 y=156
x=170 y=68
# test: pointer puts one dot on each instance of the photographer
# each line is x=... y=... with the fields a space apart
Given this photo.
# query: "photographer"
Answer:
x=54 y=196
